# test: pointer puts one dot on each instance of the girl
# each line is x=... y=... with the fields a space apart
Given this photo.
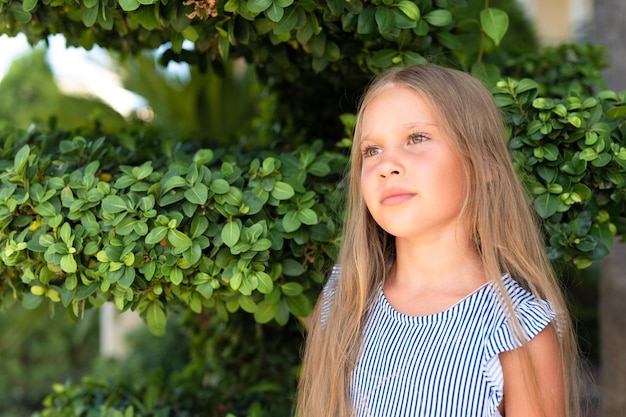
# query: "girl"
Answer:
x=444 y=303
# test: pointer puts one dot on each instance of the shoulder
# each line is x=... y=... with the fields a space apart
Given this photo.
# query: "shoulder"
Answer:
x=520 y=312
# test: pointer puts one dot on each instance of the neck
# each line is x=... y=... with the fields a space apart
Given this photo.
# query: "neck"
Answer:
x=440 y=262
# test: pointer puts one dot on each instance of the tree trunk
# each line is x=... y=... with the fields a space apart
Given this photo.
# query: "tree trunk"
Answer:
x=613 y=333
x=610 y=30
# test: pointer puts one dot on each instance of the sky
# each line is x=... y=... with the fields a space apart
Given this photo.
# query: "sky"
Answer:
x=76 y=71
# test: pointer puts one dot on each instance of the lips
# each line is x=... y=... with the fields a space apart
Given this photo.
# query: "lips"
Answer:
x=393 y=196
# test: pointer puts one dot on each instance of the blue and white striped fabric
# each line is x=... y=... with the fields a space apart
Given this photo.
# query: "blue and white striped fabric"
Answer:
x=444 y=364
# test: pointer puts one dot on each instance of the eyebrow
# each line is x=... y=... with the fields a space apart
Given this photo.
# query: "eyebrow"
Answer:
x=405 y=127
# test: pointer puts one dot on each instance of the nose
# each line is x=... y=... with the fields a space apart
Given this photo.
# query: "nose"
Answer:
x=390 y=165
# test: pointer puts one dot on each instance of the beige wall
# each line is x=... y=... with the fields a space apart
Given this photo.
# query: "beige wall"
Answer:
x=558 y=21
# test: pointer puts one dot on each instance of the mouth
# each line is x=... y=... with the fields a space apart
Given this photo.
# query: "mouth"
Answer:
x=395 y=196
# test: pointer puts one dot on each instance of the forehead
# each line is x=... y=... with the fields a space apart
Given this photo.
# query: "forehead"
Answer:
x=396 y=105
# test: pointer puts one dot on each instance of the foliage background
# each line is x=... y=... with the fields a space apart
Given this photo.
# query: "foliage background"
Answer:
x=242 y=366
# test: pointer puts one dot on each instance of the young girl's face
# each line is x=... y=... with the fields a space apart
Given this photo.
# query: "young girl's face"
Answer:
x=412 y=179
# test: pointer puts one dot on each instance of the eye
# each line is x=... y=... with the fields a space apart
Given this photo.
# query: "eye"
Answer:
x=370 y=151
x=415 y=138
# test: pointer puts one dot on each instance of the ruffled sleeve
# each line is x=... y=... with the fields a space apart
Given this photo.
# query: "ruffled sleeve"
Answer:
x=533 y=314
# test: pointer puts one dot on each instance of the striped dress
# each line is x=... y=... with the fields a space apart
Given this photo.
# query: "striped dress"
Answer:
x=441 y=365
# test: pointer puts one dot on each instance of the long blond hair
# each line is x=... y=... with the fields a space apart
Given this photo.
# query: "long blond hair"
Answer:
x=503 y=229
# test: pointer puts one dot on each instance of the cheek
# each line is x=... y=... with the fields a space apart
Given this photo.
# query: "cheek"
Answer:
x=457 y=181
x=367 y=187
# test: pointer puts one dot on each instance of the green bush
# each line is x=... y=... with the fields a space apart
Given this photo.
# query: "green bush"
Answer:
x=213 y=229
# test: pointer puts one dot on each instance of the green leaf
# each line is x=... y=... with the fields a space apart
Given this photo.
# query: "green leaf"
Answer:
x=602 y=233
x=86 y=291
x=129 y=5
x=367 y=21
x=617 y=112
x=546 y=205
x=31 y=301
x=156 y=318
x=383 y=58
x=495 y=23
x=410 y=9
x=307 y=216
x=384 y=19
x=261 y=245
x=332 y=53
x=438 y=17
x=602 y=160
x=258 y=6
x=304 y=34
x=176 y=276
x=288 y=22
x=149 y=18
x=336 y=7
x=127 y=278
x=231 y=6
x=275 y=13
x=291 y=289
x=143 y=171
x=148 y=269
x=113 y=204
x=193 y=254
x=46 y=209
x=550 y=152
x=90 y=16
x=68 y=264
x=156 y=235
x=29 y=5
x=319 y=168
x=205 y=289
x=65 y=233
x=317 y=45
x=292 y=268
x=219 y=186
x=265 y=283
x=199 y=225
x=450 y=41
x=588 y=154
x=414 y=58
x=20 y=15
x=105 y=19
x=299 y=305
x=265 y=312
x=125 y=181
x=235 y=281
x=178 y=239
x=575 y=121
x=291 y=221
x=231 y=233
x=526 y=84
x=582 y=262
x=247 y=304
x=173 y=182
x=198 y=194
x=282 y=191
